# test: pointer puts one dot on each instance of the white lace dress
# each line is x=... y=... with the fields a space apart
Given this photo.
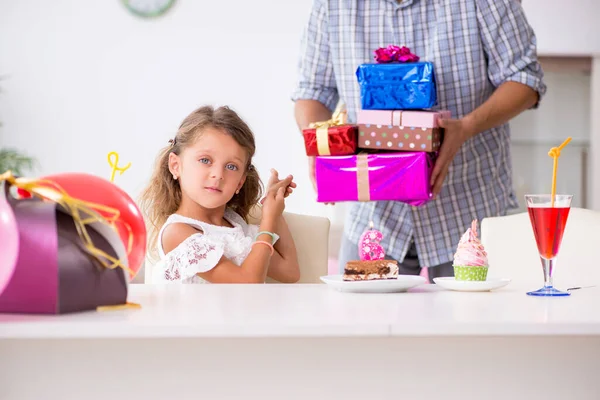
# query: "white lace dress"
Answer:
x=202 y=251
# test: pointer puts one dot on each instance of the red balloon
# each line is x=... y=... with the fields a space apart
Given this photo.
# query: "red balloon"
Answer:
x=98 y=190
x=23 y=194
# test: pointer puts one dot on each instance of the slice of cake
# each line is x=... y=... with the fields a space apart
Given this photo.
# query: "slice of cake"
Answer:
x=370 y=270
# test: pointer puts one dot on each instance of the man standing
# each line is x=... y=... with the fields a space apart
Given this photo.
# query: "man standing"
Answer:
x=487 y=72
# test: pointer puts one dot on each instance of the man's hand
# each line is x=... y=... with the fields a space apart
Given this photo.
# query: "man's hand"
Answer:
x=508 y=100
x=456 y=132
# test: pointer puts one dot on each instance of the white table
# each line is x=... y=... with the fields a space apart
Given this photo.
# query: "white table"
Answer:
x=308 y=341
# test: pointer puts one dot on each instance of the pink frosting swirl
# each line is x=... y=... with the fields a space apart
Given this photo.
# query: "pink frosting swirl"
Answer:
x=470 y=251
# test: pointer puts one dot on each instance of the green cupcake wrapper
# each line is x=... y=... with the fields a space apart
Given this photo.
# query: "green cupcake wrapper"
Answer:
x=468 y=273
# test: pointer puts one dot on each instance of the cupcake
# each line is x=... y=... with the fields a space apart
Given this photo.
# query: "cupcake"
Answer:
x=470 y=260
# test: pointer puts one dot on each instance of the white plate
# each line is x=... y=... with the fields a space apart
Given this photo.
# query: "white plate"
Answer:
x=402 y=284
x=471 y=286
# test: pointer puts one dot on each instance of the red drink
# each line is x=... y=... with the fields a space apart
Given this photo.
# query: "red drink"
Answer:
x=548 y=227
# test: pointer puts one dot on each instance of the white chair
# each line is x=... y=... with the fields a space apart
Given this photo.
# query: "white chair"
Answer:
x=512 y=250
x=311 y=236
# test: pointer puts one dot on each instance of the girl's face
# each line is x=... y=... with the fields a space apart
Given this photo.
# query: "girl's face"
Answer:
x=211 y=170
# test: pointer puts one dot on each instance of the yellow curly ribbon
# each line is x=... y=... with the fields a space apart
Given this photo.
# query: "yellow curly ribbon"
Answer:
x=49 y=190
x=555 y=153
x=126 y=306
x=115 y=165
x=338 y=118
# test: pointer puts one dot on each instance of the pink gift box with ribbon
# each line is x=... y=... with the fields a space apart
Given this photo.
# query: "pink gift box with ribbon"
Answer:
x=420 y=119
x=393 y=176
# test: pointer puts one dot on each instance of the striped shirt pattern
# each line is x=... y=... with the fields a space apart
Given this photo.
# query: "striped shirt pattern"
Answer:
x=475 y=45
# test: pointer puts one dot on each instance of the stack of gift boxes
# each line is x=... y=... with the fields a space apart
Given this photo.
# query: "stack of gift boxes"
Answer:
x=389 y=154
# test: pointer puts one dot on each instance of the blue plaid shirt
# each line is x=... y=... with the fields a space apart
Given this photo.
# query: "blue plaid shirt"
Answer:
x=475 y=46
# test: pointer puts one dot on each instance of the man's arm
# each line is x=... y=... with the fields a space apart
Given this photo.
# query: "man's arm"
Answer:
x=509 y=100
x=308 y=111
x=513 y=67
x=510 y=46
x=316 y=94
x=316 y=78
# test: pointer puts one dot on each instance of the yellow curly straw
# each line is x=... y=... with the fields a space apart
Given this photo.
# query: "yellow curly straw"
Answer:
x=555 y=153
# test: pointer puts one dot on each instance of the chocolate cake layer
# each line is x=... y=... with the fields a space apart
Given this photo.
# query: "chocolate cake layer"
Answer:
x=370 y=270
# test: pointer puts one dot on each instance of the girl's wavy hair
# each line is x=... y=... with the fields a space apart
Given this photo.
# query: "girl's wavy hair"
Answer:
x=162 y=196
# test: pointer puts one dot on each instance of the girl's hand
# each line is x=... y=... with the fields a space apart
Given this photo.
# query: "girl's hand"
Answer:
x=274 y=179
x=274 y=201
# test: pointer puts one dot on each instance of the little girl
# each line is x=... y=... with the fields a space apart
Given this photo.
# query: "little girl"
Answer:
x=197 y=204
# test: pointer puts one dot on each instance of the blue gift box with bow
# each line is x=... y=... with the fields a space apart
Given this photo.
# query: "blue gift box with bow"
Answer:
x=397 y=86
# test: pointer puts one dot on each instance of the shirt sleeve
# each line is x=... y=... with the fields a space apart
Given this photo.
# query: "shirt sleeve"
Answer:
x=198 y=253
x=316 y=78
x=510 y=44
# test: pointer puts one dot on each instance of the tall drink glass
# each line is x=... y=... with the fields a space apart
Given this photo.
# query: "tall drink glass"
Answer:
x=548 y=222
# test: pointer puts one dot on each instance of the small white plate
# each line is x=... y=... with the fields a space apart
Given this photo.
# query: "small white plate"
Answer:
x=401 y=284
x=471 y=286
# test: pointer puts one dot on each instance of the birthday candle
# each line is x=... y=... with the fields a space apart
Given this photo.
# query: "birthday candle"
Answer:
x=369 y=247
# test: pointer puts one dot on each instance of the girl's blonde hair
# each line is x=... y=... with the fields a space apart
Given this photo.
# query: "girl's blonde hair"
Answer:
x=162 y=196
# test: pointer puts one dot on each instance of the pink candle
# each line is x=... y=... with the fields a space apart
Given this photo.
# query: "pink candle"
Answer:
x=368 y=246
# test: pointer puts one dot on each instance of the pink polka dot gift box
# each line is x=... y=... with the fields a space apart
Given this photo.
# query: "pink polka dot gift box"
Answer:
x=397 y=130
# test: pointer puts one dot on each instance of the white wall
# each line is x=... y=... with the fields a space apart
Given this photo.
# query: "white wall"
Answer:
x=86 y=77
x=565 y=27
x=565 y=111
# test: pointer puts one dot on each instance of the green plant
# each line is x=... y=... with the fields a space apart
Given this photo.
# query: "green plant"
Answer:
x=15 y=161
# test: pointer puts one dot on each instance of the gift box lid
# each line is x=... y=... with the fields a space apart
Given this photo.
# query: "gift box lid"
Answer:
x=420 y=119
